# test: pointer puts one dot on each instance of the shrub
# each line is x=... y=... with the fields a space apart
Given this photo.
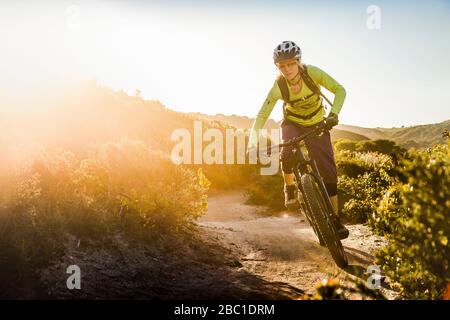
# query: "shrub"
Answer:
x=363 y=180
x=120 y=187
x=360 y=196
x=415 y=216
x=344 y=145
x=387 y=147
x=266 y=190
x=353 y=164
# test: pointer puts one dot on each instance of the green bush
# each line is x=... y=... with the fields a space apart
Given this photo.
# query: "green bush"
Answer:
x=382 y=146
x=363 y=179
x=353 y=164
x=383 y=219
x=344 y=145
x=415 y=216
x=360 y=196
x=266 y=190
x=121 y=187
x=402 y=196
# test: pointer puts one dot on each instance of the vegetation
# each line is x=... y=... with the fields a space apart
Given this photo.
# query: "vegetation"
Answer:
x=415 y=216
x=382 y=146
x=121 y=187
x=421 y=136
x=401 y=195
x=409 y=204
x=333 y=289
x=84 y=180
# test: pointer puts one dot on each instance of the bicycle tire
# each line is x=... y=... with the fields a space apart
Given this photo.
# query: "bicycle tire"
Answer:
x=316 y=204
x=307 y=214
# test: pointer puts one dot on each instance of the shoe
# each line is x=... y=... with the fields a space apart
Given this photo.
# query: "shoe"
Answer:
x=290 y=197
x=343 y=232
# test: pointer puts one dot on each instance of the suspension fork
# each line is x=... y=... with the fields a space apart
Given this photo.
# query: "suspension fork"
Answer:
x=315 y=173
x=299 y=170
x=300 y=167
x=298 y=177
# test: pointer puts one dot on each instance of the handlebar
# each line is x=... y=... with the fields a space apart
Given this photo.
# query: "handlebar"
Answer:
x=319 y=129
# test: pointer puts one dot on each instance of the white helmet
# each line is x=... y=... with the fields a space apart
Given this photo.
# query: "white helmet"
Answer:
x=285 y=51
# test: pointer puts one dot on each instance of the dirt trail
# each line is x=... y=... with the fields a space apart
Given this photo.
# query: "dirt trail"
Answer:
x=283 y=248
x=237 y=252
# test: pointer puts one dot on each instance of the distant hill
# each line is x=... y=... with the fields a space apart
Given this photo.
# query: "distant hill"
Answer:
x=244 y=122
x=236 y=121
x=345 y=134
x=76 y=114
x=420 y=136
x=370 y=133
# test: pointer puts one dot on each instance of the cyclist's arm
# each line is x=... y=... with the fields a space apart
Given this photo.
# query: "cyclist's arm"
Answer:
x=325 y=80
x=263 y=114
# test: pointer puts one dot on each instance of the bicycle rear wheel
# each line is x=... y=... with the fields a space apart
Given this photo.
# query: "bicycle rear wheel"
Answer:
x=324 y=226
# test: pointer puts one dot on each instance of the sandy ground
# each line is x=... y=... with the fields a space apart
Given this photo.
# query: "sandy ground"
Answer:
x=284 y=248
x=238 y=252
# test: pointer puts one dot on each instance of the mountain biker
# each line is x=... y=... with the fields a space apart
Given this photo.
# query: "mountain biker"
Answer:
x=301 y=113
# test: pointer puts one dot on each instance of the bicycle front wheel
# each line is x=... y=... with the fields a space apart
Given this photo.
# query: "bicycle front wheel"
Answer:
x=319 y=212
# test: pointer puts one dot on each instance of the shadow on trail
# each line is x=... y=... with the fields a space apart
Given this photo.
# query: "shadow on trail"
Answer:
x=177 y=268
x=359 y=256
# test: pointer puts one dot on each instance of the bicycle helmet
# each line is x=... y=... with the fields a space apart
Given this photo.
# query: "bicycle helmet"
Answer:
x=285 y=51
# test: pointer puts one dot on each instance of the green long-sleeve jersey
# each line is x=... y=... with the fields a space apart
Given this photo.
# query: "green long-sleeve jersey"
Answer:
x=302 y=108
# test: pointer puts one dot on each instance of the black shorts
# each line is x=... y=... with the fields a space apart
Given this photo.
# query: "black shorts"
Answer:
x=320 y=149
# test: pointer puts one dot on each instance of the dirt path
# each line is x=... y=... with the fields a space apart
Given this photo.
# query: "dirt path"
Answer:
x=237 y=252
x=283 y=248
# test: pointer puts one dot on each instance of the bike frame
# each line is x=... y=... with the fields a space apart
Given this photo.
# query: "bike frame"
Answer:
x=304 y=164
x=301 y=168
x=315 y=197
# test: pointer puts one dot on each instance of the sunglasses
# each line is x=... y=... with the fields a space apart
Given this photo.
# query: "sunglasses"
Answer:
x=285 y=66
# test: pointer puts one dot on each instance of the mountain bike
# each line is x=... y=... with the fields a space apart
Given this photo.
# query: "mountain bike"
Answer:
x=313 y=196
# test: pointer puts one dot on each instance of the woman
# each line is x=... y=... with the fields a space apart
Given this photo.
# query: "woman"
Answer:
x=303 y=109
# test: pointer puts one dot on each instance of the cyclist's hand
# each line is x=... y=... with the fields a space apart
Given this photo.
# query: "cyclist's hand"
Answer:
x=331 y=121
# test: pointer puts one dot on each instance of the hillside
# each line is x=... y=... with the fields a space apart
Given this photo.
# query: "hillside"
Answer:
x=346 y=134
x=81 y=113
x=420 y=136
x=236 y=121
x=371 y=133
x=124 y=211
x=245 y=122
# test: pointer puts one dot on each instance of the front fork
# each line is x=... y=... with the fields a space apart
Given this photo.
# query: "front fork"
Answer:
x=301 y=168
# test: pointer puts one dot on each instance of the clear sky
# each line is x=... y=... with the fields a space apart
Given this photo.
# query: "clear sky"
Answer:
x=216 y=56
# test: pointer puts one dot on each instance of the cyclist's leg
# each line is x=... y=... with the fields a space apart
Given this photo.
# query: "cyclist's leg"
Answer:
x=289 y=131
x=321 y=150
